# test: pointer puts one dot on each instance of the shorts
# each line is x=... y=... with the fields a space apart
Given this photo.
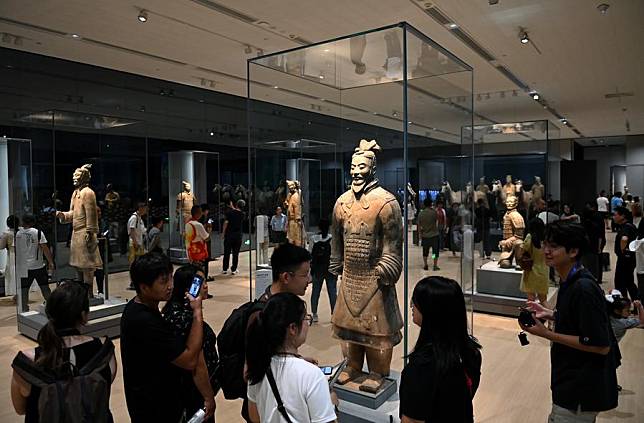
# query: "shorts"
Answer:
x=434 y=243
x=134 y=252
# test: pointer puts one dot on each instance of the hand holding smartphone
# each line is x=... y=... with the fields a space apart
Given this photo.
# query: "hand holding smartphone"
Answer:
x=195 y=288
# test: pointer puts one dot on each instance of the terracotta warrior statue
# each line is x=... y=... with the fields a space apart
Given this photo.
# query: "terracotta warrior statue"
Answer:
x=83 y=215
x=513 y=228
x=185 y=200
x=538 y=190
x=366 y=249
x=509 y=188
x=481 y=192
x=293 y=205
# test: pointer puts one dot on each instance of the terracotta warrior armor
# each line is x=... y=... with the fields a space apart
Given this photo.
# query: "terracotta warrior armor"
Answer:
x=185 y=201
x=513 y=229
x=366 y=249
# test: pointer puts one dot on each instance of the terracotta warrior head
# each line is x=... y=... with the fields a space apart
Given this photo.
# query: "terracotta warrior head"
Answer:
x=537 y=180
x=292 y=186
x=508 y=179
x=482 y=180
x=186 y=186
x=82 y=176
x=511 y=202
x=363 y=165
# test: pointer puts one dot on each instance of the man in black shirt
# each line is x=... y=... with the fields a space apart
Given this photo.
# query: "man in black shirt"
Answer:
x=232 y=235
x=625 y=266
x=583 y=352
x=151 y=354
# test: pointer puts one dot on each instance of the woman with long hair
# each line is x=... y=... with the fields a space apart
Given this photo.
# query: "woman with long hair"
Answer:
x=60 y=343
x=177 y=311
x=272 y=342
x=536 y=275
x=444 y=369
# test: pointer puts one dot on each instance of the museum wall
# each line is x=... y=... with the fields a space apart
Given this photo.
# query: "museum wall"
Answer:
x=606 y=157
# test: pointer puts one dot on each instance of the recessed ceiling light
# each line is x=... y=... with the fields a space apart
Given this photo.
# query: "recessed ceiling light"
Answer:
x=523 y=36
x=143 y=16
x=535 y=95
x=326 y=50
x=321 y=76
x=212 y=133
x=76 y=36
x=451 y=25
x=603 y=8
x=275 y=86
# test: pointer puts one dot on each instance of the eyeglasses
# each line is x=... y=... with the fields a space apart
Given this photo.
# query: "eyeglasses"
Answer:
x=309 y=319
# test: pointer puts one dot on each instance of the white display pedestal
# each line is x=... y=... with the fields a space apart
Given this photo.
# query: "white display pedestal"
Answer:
x=349 y=412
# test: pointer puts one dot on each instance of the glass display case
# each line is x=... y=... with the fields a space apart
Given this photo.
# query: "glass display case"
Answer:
x=520 y=159
x=392 y=87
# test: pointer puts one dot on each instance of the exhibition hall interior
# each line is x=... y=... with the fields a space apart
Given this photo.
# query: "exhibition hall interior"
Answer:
x=406 y=145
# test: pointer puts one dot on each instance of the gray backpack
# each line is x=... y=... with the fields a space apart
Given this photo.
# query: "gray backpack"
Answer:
x=71 y=394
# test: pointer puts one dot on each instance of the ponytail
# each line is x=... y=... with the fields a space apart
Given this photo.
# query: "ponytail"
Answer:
x=266 y=334
x=52 y=347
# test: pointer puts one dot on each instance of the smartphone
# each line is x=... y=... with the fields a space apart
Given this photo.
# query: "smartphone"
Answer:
x=525 y=317
x=338 y=370
x=197 y=282
x=327 y=370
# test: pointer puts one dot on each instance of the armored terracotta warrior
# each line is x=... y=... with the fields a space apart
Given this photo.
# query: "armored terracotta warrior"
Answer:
x=185 y=200
x=83 y=215
x=513 y=227
x=366 y=249
x=509 y=188
x=538 y=190
x=293 y=205
x=481 y=192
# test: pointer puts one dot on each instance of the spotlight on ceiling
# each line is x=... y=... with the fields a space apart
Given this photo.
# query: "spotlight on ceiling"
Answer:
x=493 y=2
x=76 y=36
x=564 y=121
x=603 y=8
x=535 y=95
x=523 y=36
x=143 y=16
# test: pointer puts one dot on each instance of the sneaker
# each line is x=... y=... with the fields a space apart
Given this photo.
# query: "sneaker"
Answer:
x=425 y=267
x=234 y=272
x=224 y=272
x=436 y=268
x=210 y=279
x=315 y=317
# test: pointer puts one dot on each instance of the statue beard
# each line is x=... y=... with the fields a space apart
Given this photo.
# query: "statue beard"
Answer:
x=359 y=189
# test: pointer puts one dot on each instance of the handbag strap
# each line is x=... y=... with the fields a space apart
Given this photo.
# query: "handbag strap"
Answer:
x=276 y=394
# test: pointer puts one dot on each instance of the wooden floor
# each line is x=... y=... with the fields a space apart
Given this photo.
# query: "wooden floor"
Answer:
x=515 y=380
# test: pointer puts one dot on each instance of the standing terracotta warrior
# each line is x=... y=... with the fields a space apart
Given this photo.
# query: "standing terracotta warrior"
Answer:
x=509 y=188
x=185 y=200
x=366 y=249
x=293 y=205
x=513 y=227
x=538 y=190
x=83 y=216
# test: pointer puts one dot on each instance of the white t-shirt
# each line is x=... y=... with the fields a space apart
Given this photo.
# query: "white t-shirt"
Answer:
x=304 y=391
x=201 y=234
x=136 y=228
x=602 y=204
x=28 y=254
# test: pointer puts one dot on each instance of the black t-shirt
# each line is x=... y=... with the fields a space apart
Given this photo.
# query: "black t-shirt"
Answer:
x=626 y=230
x=235 y=219
x=578 y=377
x=152 y=382
x=438 y=399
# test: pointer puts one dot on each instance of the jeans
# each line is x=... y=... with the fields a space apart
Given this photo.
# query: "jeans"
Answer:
x=563 y=415
x=231 y=246
x=331 y=289
x=42 y=279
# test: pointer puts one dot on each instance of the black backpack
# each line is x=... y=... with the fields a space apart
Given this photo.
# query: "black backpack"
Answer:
x=231 y=344
x=71 y=394
x=321 y=257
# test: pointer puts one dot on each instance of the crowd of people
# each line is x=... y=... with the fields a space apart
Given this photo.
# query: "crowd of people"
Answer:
x=174 y=363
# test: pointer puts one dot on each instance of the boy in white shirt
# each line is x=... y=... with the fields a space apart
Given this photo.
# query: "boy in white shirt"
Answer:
x=31 y=246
